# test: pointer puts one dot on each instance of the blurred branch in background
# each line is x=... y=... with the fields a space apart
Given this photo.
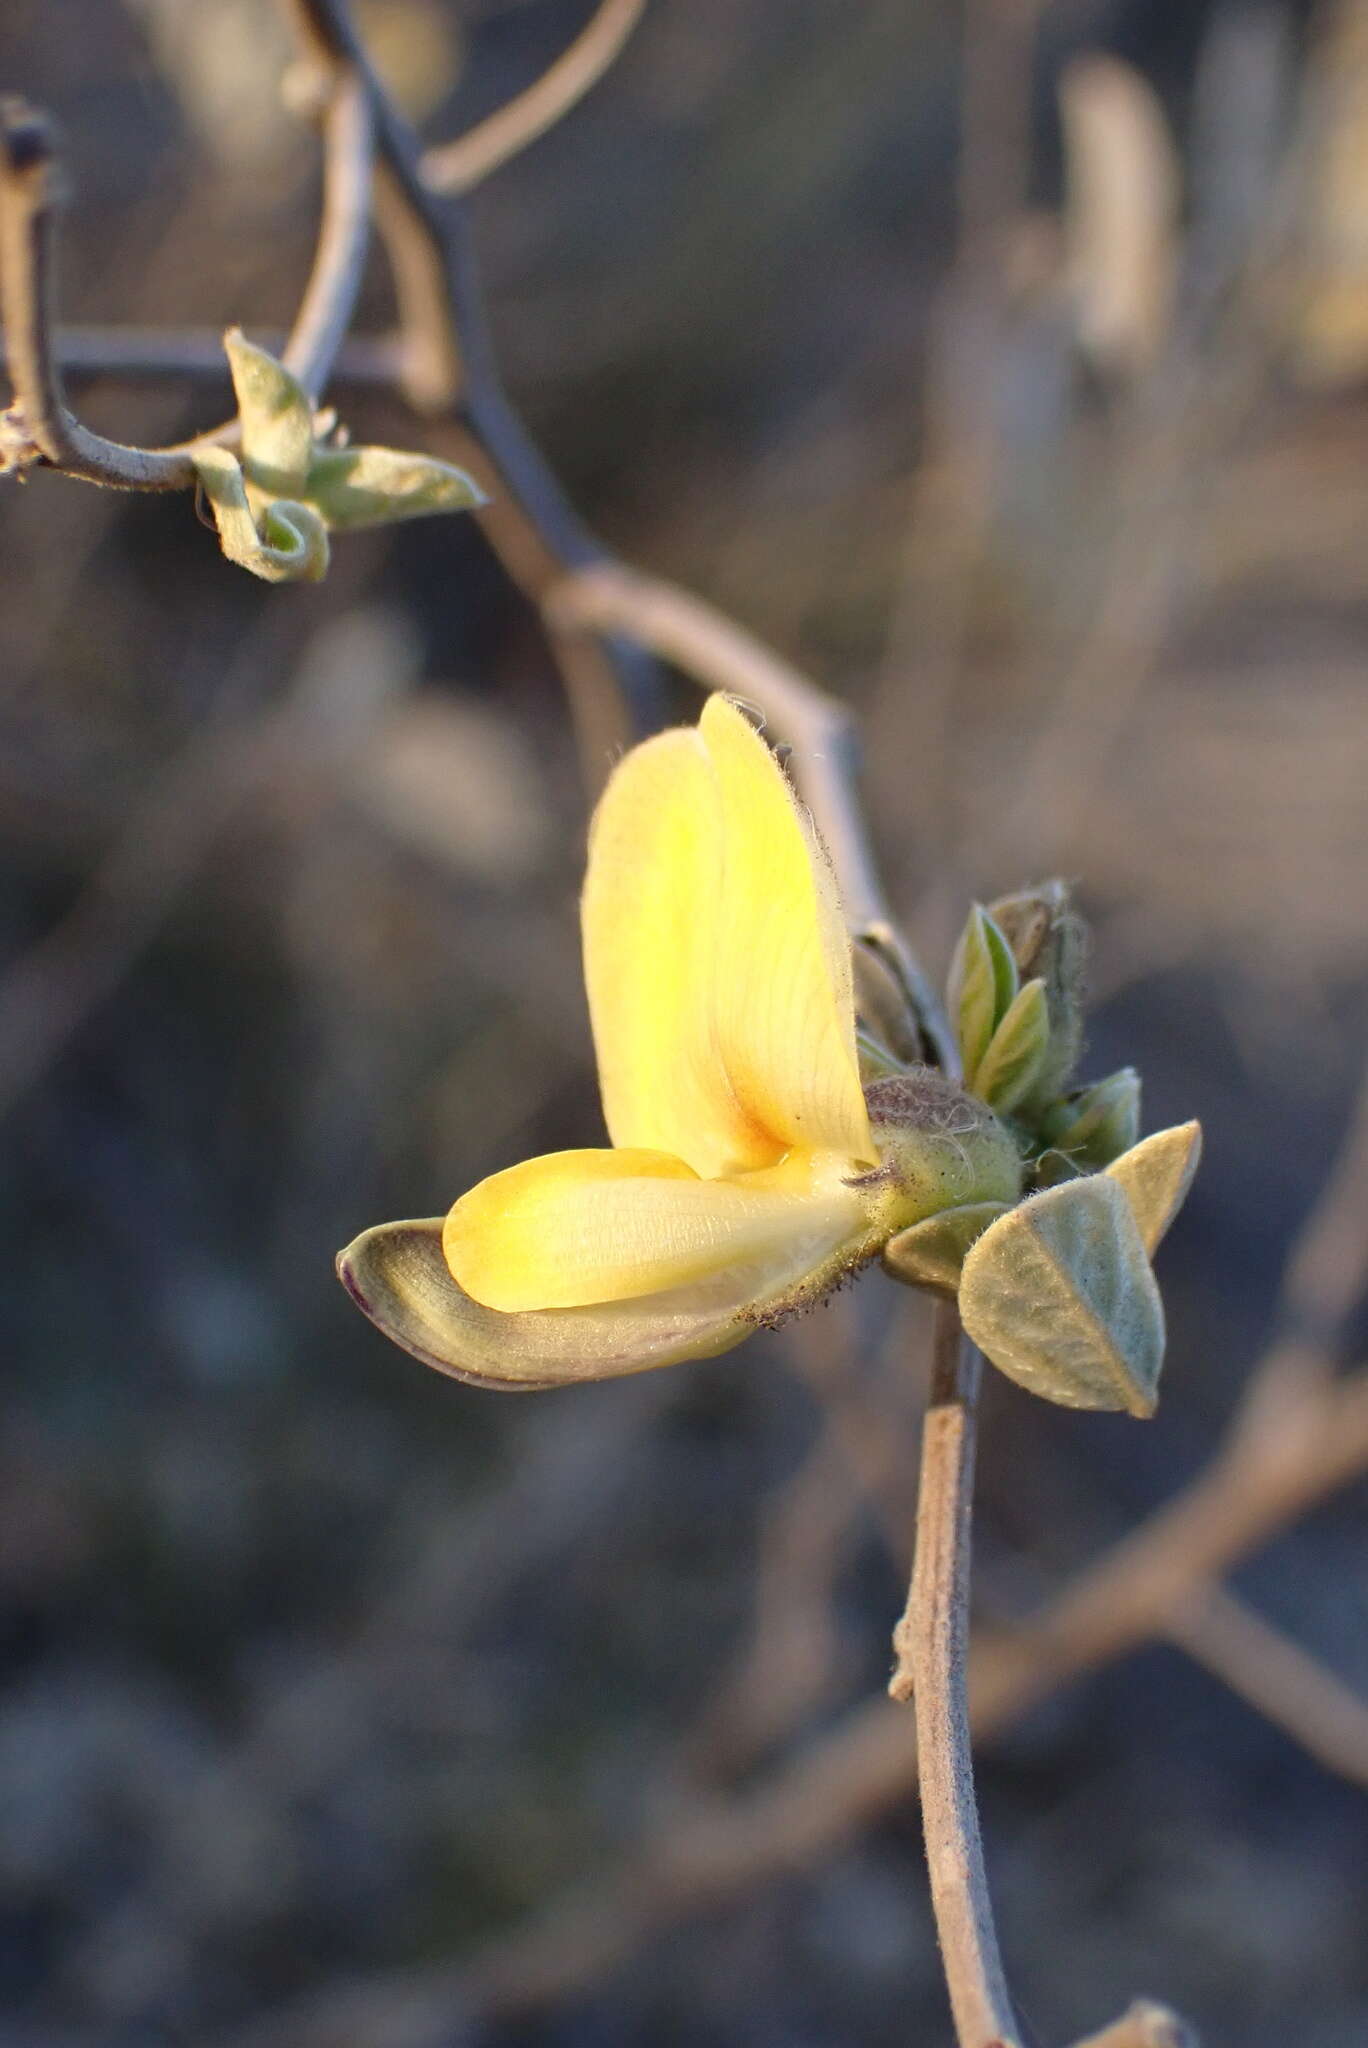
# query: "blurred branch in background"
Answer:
x=461 y=165
x=346 y=677
x=1277 y=1678
x=1145 y=2026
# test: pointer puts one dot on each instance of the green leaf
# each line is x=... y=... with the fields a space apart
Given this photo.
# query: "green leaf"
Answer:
x=1059 y=1294
x=1155 y=1176
x=932 y=1252
x=277 y=419
x=1095 y=1126
x=1012 y=1064
x=293 y=545
x=983 y=985
x=356 y=487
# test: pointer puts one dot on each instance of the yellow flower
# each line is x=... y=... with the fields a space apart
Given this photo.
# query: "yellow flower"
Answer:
x=749 y=1171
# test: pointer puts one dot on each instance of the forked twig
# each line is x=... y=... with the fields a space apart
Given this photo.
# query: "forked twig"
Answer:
x=39 y=426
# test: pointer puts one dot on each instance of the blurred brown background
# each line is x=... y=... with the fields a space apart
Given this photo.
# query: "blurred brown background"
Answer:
x=318 y=1668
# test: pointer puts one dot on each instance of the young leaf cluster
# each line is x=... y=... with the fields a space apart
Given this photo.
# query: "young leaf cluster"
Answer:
x=298 y=481
x=1056 y=1289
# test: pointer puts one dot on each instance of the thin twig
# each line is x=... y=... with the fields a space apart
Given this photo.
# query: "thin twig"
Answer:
x=932 y=1642
x=449 y=371
x=461 y=165
x=38 y=426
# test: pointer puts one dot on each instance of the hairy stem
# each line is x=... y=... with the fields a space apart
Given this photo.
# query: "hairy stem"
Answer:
x=932 y=1643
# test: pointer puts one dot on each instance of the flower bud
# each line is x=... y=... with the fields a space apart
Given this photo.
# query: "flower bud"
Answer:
x=939 y=1148
x=1049 y=942
x=882 y=1010
x=1099 y=1123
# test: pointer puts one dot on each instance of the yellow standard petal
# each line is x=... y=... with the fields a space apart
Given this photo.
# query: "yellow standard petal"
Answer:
x=783 y=1004
x=717 y=960
x=578 y=1228
x=649 y=920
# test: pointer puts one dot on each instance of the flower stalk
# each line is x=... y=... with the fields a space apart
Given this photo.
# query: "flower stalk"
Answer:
x=932 y=1643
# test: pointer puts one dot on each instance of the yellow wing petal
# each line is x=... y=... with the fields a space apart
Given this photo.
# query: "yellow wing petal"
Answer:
x=649 y=918
x=783 y=1006
x=397 y=1275
x=579 y=1228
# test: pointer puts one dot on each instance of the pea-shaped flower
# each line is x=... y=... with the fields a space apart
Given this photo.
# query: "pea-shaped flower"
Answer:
x=749 y=1170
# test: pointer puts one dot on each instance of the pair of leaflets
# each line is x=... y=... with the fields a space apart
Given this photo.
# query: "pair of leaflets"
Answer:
x=1059 y=1291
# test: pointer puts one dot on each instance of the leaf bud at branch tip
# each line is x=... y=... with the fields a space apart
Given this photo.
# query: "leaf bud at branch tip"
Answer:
x=298 y=481
x=1049 y=942
x=1098 y=1124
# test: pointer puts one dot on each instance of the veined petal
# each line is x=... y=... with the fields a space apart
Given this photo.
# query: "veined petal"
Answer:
x=783 y=1002
x=649 y=920
x=574 y=1229
x=717 y=960
x=398 y=1275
